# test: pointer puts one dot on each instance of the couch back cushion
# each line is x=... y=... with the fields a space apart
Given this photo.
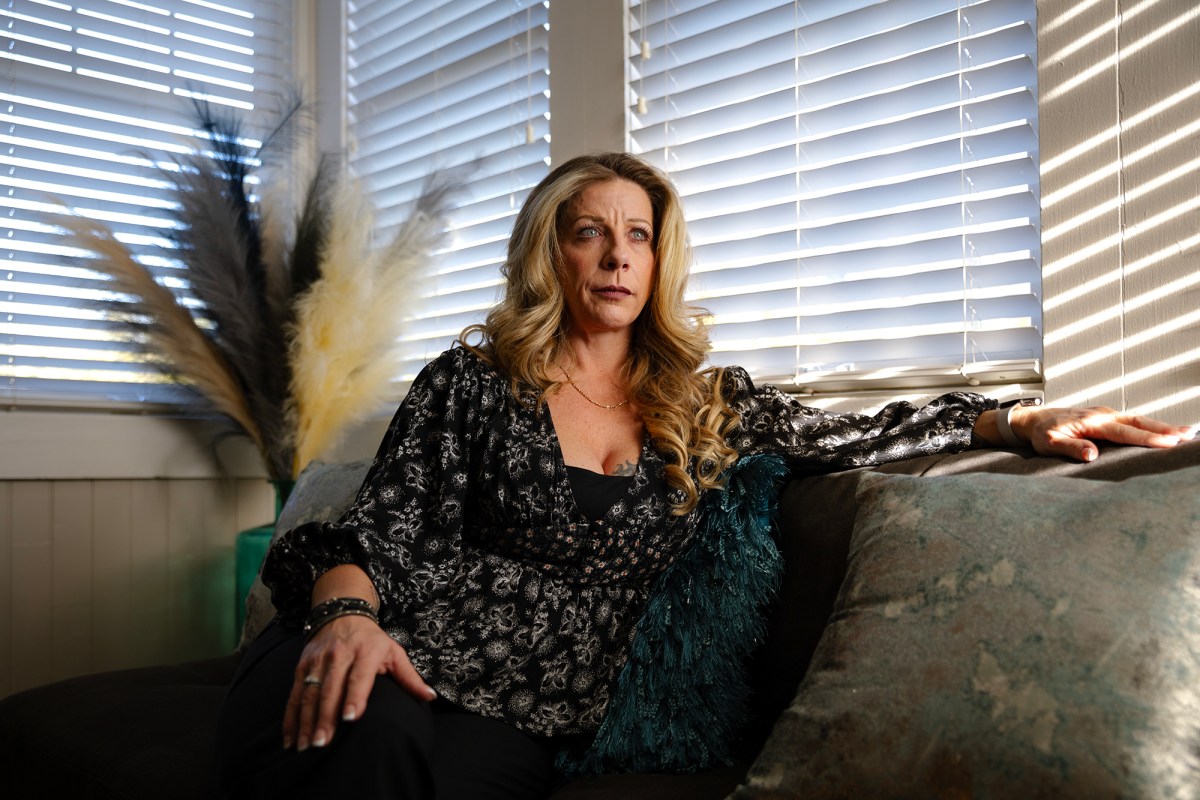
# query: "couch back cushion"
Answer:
x=322 y=492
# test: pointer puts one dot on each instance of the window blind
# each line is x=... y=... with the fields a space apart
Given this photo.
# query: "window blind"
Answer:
x=95 y=97
x=460 y=86
x=860 y=179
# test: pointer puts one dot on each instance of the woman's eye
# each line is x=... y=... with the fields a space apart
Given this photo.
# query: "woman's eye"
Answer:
x=641 y=234
x=589 y=232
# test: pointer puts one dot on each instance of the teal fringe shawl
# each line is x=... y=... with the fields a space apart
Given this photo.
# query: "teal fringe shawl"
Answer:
x=682 y=696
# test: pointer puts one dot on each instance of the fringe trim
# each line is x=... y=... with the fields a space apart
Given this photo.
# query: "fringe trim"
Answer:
x=682 y=696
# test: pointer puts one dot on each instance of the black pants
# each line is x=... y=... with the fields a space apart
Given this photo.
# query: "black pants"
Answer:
x=400 y=748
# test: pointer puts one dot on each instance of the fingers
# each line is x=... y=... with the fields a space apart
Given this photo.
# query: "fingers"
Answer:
x=361 y=679
x=1068 y=446
x=304 y=705
x=316 y=700
x=1071 y=432
x=310 y=697
x=1135 y=430
x=403 y=673
x=1156 y=433
x=291 y=714
x=334 y=678
x=328 y=707
x=299 y=713
x=1158 y=426
x=312 y=706
x=359 y=682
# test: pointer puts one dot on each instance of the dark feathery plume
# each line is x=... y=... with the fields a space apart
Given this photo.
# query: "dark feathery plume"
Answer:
x=312 y=229
x=230 y=160
x=214 y=251
x=220 y=241
x=236 y=160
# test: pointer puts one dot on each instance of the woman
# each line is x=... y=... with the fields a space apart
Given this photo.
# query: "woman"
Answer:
x=469 y=616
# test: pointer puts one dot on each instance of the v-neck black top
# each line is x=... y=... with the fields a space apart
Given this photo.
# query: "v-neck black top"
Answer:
x=511 y=597
x=594 y=492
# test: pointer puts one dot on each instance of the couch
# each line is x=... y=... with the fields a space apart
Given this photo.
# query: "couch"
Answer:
x=986 y=624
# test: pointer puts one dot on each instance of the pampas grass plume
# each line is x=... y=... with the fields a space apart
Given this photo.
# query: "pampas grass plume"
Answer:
x=343 y=346
x=172 y=332
x=297 y=342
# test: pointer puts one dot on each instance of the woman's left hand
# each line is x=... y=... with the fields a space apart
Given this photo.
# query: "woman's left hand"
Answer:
x=1071 y=432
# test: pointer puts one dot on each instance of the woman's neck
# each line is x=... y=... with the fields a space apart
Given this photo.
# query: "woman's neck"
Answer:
x=597 y=355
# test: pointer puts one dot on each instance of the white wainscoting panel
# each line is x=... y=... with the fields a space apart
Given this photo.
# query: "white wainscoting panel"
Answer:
x=110 y=574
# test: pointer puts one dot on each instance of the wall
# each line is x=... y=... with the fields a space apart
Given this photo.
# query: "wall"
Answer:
x=1119 y=114
x=116 y=538
x=124 y=570
x=108 y=574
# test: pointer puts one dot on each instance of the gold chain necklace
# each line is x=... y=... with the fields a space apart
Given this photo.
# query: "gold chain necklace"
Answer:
x=590 y=400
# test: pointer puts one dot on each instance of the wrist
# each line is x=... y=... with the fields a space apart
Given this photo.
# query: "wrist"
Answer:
x=346 y=580
x=324 y=613
x=1012 y=421
x=1005 y=426
x=1005 y=430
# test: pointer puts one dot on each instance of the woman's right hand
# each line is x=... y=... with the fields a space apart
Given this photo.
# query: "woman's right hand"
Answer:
x=344 y=655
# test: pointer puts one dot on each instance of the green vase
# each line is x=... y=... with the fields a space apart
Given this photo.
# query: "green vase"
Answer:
x=250 y=550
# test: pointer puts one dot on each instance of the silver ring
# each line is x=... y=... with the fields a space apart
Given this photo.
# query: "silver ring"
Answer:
x=312 y=680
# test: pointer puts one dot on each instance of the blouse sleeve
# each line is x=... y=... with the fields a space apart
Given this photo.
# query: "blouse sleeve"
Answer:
x=405 y=526
x=814 y=441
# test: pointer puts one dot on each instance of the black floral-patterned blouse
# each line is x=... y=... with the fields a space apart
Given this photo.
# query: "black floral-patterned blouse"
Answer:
x=509 y=601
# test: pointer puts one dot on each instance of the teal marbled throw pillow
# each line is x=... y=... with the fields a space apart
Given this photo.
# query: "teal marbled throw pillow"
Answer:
x=1005 y=637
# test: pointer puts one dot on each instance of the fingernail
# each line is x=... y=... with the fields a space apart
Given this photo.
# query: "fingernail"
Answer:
x=303 y=744
x=319 y=739
x=432 y=693
x=1089 y=455
x=350 y=714
x=287 y=743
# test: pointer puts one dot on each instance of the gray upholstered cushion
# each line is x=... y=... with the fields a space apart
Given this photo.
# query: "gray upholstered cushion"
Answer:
x=322 y=492
x=816 y=517
x=1004 y=636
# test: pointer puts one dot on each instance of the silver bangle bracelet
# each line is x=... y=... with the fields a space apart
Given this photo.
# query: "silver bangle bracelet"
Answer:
x=1004 y=425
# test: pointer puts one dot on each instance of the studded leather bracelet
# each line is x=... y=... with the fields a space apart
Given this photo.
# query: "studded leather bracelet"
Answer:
x=324 y=613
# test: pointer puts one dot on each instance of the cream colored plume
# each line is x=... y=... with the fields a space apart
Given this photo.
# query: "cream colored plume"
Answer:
x=343 y=347
x=172 y=331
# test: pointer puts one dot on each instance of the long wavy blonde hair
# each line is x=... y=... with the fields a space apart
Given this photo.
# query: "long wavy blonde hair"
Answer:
x=682 y=406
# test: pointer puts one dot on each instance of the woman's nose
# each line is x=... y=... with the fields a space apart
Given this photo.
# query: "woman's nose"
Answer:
x=617 y=258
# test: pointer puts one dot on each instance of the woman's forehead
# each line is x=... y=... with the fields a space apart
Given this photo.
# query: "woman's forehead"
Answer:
x=605 y=195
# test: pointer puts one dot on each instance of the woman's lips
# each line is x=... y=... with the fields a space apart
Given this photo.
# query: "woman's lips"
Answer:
x=614 y=292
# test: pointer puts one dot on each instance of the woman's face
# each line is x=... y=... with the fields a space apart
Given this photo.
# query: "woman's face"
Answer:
x=608 y=251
